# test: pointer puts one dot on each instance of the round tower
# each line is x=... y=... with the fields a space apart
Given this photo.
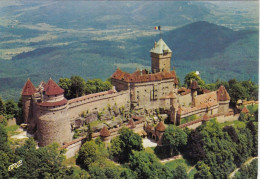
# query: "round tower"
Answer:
x=27 y=102
x=160 y=57
x=159 y=130
x=53 y=124
x=223 y=100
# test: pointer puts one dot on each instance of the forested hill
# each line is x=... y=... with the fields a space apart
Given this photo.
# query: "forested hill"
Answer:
x=211 y=49
x=216 y=51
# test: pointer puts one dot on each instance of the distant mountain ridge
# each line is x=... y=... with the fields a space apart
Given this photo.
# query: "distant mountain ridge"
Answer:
x=216 y=51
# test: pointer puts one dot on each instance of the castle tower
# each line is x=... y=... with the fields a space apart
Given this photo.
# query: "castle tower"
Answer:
x=27 y=101
x=194 y=87
x=53 y=124
x=223 y=100
x=159 y=130
x=160 y=57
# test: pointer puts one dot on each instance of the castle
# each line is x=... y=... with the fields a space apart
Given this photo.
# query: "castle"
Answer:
x=49 y=114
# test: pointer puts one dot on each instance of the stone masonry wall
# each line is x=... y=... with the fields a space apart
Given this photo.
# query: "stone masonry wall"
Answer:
x=53 y=125
x=185 y=100
x=98 y=103
x=149 y=95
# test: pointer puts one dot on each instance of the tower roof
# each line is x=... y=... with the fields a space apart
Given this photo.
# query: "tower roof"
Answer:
x=160 y=47
x=104 y=132
x=223 y=94
x=28 y=89
x=51 y=88
x=160 y=127
x=245 y=110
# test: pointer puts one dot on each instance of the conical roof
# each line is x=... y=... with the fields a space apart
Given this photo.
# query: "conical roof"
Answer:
x=28 y=89
x=104 y=132
x=160 y=127
x=51 y=88
x=223 y=94
x=160 y=47
x=245 y=110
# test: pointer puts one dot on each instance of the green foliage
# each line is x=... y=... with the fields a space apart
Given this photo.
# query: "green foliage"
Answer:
x=193 y=76
x=123 y=145
x=174 y=137
x=203 y=171
x=184 y=163
x=146 y=165
x=39 y=163
x=248 y=171
x=188 y=119
x=180 y=173
x=12 y=109
x=2 y=107
x=91 y=152
x=194 y=150
x=77 y=86
x=65 y=83
x=219 y=149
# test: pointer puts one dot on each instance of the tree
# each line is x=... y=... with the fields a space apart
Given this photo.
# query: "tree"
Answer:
x=65 y=83
x=194 y=150
x=126 y=142
x=193 y=76
x=219 y=149
x=2 y=107
x=231 y=132
x=174 y=137
x=180 y=173
x=77 y=86
x=147 y=166
x=237 y=91
x=91 y=152
x=39 y=163
x=12 y=109
x=203 y=171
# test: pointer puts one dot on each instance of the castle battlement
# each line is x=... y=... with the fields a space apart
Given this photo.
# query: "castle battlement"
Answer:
x=46 y=110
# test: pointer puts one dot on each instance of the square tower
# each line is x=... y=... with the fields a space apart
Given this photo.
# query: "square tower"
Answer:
x=160 y=57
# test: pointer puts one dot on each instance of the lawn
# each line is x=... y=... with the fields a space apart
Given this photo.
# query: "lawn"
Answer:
x=179 y=162
x=192 y=173
x=236 y=123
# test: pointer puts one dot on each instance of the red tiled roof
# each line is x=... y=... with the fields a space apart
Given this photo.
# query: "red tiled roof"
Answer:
x=206 y=100
x=186 y=92
x=28 y=89
x=194 y=85
x=52 y=104
x=245 y=110
x=160 y=127
x=139 y=77
x=204 y=90
x=223 y=94
x=104 y=132
x=51 y=88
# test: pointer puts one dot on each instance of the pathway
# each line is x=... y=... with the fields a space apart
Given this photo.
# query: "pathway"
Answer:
x=231 y=175
x=171 y=158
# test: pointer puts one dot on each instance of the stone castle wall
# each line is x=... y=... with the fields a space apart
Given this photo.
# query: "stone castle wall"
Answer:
x=97 y=102
x=53 y=124
x=185 y=100
x=150 y=95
